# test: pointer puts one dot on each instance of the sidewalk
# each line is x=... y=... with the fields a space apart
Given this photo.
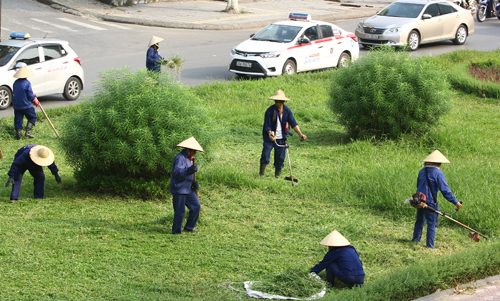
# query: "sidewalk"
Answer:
x=209 y=15
x=486 y=289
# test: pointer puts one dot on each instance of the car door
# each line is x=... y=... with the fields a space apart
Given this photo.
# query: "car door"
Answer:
x=431 y=29
x=31 y=57
x=309 y=55
x=56 y=67
x=451 y=19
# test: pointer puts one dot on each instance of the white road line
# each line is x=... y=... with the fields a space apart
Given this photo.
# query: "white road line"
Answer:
x=52 y=24
x=82 y=24
x=112 y=24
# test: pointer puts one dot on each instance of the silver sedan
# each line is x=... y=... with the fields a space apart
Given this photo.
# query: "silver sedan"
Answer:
x=415 y=22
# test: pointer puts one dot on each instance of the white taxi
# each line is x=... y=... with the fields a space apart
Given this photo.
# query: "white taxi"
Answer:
x=299 y=44
x=56 y=66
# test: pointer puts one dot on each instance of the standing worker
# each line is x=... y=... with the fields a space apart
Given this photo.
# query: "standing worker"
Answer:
x=276 y=119
x=341 y=261
x=31 y=157
x=23 y=101
x=153 y=57
x=430 y=180
x=183 y=187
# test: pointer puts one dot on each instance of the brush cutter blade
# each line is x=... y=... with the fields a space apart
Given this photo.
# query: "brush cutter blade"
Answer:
x=289 y=179
x=474 y=236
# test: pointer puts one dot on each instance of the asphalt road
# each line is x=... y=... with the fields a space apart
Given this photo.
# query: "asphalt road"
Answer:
x=105 y=45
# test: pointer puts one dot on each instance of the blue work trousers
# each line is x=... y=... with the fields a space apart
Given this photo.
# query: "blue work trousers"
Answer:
x=19 y=116
x=431 y=218
x=279 y=153
x=180 y=202
x=333 y=271
x=38 y=182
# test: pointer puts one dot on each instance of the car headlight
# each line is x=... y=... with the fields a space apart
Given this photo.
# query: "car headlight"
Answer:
x=233 y=51
x=360 y=26
x=393 y=30
x=268 y=55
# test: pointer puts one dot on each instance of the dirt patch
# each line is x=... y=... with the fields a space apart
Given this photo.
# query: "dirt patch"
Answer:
x=490 y=74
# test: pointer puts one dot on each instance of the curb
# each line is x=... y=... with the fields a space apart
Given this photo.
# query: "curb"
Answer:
x=450 y=291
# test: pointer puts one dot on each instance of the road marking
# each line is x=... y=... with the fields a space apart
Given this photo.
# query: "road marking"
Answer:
x=82 y=24
x=112 y=25
x=52 y=24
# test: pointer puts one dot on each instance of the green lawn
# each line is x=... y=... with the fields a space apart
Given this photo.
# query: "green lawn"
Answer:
x=80 y=245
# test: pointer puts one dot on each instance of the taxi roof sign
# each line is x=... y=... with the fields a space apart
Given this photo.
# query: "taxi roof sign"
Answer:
x=19 y=35
x=298 y=16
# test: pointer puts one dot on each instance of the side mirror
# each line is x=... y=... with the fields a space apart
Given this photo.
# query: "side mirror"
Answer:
x=252 y=35
x=426 y=16
x=304 y=40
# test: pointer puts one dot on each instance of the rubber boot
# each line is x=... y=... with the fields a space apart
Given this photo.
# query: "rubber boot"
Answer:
x=19 y=134
x=29 y=126
x=262 y=170
x=277 y=172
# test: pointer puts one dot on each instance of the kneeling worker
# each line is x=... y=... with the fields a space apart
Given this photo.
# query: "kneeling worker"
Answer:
x=341 y=261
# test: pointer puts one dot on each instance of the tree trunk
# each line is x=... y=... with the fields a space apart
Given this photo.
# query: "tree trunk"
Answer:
x=232 y=7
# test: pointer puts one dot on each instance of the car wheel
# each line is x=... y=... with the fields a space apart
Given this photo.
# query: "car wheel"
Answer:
x=72 y=89
x=461 y=35
x=5 y=98
x=289 y=67
x=344 y=60
x=413 y=40
x=481 y=14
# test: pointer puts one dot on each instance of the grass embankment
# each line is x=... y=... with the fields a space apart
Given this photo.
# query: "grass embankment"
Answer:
x=76 y=245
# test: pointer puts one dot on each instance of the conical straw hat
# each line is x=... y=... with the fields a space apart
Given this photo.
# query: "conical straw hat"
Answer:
x=191 y=143
x=280 y=95
x=41 y=155
x=23 y=73
x=154 y=40
x=436 y=157
x=335 y=239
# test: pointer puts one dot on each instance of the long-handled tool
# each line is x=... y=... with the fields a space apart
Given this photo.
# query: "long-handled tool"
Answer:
x=474 y=235
x=290 y=178
x=57 y=134
x=196 y=190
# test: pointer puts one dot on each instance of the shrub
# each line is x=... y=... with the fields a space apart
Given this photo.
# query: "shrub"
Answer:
x=124 y=140
x=388 y=93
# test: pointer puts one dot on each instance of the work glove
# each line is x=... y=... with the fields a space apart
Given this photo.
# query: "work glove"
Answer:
x=192 y=169
x=272 y=136
x=459 y=205
x=303 y=137
x=9 y=181
x=195 y=186
x=58 y=178
x=36 y=102
x=313 y=275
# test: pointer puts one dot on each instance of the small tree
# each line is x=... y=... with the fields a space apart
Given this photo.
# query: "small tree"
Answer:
x=389 y=93
x=124 y=140
x=232 y=7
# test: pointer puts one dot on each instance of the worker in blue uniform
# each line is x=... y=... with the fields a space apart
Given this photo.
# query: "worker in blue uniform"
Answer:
x=430 y=180
x=23 y=100
x=31 y=157
x=153 y=57
x=184 y=188
x=341 y=261
x=275 y=130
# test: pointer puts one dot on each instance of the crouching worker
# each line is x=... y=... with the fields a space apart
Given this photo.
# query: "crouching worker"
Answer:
x=184 y=187
x=341 y=261
x=31 y=157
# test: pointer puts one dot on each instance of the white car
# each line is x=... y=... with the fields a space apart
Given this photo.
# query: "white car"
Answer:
x=56 y=66
x=292 y=46
x=415 y=22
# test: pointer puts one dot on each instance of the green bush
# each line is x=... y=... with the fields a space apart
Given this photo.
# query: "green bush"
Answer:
x=124 y=140
x=460 y=79
x=388 y=93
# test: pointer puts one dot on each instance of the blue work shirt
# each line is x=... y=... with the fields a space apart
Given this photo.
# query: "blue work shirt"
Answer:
x=22 y=159
x=23 y=94
x=271 y=121
x=182 y=179
x=438 y=181
x=151 y=59
x=346 y=258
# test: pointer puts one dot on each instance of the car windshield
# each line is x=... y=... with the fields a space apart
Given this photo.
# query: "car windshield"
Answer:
x=6 y=53
x=402 y=10
x=277 y=33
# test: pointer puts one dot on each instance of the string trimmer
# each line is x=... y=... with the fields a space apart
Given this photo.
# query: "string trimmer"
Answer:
x=290 y=178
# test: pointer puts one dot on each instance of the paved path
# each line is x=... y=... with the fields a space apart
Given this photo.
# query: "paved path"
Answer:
x=207 y=14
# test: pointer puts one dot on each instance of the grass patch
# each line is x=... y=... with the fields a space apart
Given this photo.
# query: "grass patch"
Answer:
x=76 y=245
